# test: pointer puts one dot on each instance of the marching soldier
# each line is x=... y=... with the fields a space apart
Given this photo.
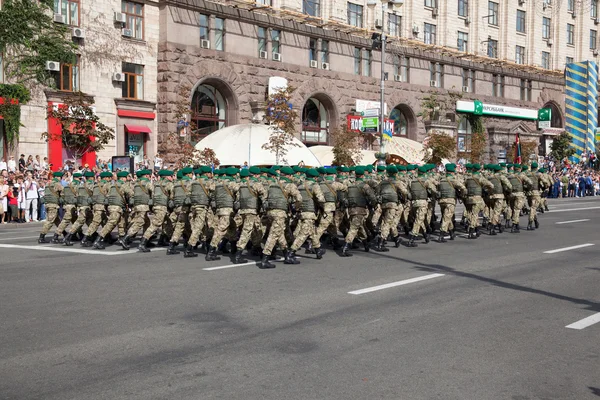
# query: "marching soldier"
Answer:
x=250 y=194
x=533 y=195
x=69 y=202
x=201 y=193
x=162 y=199
x=99 y=201
x=474 y=204
x=142 y=200
x=84 y=213
x=519 y=184
x=119 y=193
x=501 y=185
x=360 y=195
x=419 y=192
x=330 y=189
x=449 y=188
x=181 y=211
x=390 y=192
x=225 y=195
x=52 y=200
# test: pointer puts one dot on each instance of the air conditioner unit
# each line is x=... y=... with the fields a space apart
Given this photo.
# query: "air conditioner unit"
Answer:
x=262 y=54
x=433 y=83
x=521 y=2
x=78 y=33
x=325 y=66
x=378 y=24
x=467 y=21
x=434 y=12
x=52 y=66
x=120 y=17
x=550 y=42
x=415 y=29
x=127 y=32
x=276 y=57
x=61 y=19
x=118 y=77
x=574 y=15
x=314 y=64
x=465 y=89
x=205 y=44
x=595 y=53
x=596 y=21
x=398 y=78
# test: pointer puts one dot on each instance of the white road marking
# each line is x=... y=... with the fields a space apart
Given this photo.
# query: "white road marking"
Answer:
x=579 y=246
x=574 y=209
x=21 y=237
x=584 y=323
x=394 y=284
x=77 y=251
x=235 y=265
x=571 y=222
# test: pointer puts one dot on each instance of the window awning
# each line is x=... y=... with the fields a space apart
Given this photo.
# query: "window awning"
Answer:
x=137 y=129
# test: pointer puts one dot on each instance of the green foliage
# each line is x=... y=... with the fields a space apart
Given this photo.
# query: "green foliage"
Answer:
x=29 y=37
x=282 y=118
x=528 y=147
x=439 y=146
x=561 y=147
x=478 y=138
x=346 y=146
x=12 y=112
x=81 y=130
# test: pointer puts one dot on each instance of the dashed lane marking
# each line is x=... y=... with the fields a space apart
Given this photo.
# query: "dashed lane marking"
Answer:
x=20 y=237
x=571 y=222
x=235 y=265
x=579 y=246
x=394 y=284
x=584 y=323
x=64 y=249
x=574 y=209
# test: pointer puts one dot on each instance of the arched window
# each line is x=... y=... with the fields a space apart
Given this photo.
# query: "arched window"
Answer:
x=463 y=143
x=400 y=122
x=208 y=111
x=315 y=122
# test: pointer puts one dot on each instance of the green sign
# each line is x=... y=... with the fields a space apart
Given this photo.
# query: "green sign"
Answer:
x=370 y=124
x=478 y=107
x=544 y=114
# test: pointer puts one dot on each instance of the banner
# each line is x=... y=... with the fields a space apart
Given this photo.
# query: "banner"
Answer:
x=581 y=92
x=360 y=124
x=517 y=159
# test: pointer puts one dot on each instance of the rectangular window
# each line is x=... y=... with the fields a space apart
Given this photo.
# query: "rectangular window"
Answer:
x=492 y=16
x=405 y=68
x=520 y=54
x=135 y=18
x=367 y=59
x=431 y=3
x=394 y=25
x=545 y=60
x=325 y=51
x=357 y=60
x=570 y=5
x=276 y=41
x=468 y=79
x=495 y=85
x=570 y=34
x=464 y=135
x=546 y=28
x=262 y=39
x=593 y=8
x=67 y=80
x=204 y=27
x=264 y=2
x=430 y=31
x=521 y=21
x=311 y=7
x=219 y=34
x=593 y=39
x=133 y=87
x=525 y=89
x=436 y=74
x=569 y=60
x=355 y=15
x=492 y=48
x=312 y=49
x=463 y=41
x=463 y=8
x=69 y=9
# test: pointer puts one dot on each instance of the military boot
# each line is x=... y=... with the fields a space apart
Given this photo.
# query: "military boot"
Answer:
x=42 y=238
x=99 y=243
x=477 y=233
x=171 y=250
x=379 y=245
x=264 y=262
x=546 y=207
x=319 y=252
x=211 y=255
x=309 y=247
x=411 y=241
x=289 y=257
x=55 y=239
x=189 y=252
x=202 y=247
x=397 y=241
x=452 y=234
x=123 y=242
x=335 y=243
x=426 y=237
x=472 y=234
x=346 y=250
x=507 y=224
x=84 y=240
x=142 y=247
x=237 y=259
x=536 y=223
x=256 y=250
x=499 y=226
x=442 y=238
x=67 y=240
x=162 y=240
x=492 y=231
x=367 y=245
x=515 y=228
x=530 y=226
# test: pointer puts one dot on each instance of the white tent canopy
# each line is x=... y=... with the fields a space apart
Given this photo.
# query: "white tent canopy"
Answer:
x=237 y=144
x=325 y=155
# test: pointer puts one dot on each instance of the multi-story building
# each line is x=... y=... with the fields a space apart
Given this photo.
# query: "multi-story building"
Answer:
x=116 y=67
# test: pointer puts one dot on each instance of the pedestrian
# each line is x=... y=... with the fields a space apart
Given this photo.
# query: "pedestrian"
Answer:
x=3 y=199
x=31 y=196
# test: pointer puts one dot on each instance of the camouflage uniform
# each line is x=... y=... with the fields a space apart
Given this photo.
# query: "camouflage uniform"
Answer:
x=448 y=189
x=474 y=204
x=330 y=190
x=360 y=195
x=100 y=201
x=201 y=193
x=251 y=192
x=52 y=198
x=225 y=195
x=501 y=185
x=69 y=201
x=84 y=213
x=142 y=198
x=311 y=193
x=119 y=193
x=162 y=198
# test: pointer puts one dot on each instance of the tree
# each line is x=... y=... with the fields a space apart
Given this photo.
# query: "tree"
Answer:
x=81 y=131
x=346 y=146
x=561 y=147
x=282 y=118
x=439 y=146
x=206 y=157
x=478 y=143
x=29 y=38
x=528 y=147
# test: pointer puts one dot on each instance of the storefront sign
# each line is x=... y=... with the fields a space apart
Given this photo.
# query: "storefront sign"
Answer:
x=479 y=108
x=363 y=105
x=369 y=125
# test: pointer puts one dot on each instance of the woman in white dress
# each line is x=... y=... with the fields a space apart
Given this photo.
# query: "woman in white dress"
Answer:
x=3 y=199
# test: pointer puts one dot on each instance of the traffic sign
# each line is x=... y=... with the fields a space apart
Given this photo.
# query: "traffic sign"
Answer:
x=543 y=124
x=372 y=112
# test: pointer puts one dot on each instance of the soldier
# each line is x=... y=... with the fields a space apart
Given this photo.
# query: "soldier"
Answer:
x=225 y=194
x=311 y=193
x=280 y=195
x=390 y=192
x=119 y=193
x=52 y=200
x=519 y=183
x=201 y=192
x=419 y=192
x=534 y=199
x=181 y=210
x=100 y=201
x=69 y=202
x=496 y=197
x=548 y=186
x=162 y=199
x=84 y=201
x=360 y=195
x=448 y=188
x=330 y=190
x=142 y=200
x=474 y=204
x=250 y=194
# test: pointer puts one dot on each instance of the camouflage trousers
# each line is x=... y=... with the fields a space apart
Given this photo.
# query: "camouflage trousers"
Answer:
x=447 y=208
x=357 y=228
x=84 y=216
x=419 y=207
x=277 y=224
x=342 y=221
x=430 y=211
x=374 y=217
x=517 y=203
x=304 y=230
x=251 y=230
x=51 y=218
x=473 y=207
x=534 y=202
x=325 y=224
x=139 y=220
x=115 y=217
x=70 y=216
x=387 y=222
x=159 y=220
x=225 y=226
x=179 y=220
x=98 y=218
x=198 y=222
x=496 y=205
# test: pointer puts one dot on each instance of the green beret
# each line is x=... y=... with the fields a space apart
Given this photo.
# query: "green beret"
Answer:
x=330 y=171
x=534 y=165
x=510 y=165
x=180 y=174
x=276 y=167
x=59 y=174
x=244 y=173
x=187 y=170
x=401 y=167
x=231 y=171
x=517 y=166
x=369 y=168
x=503 y=164
x=476 y=167
x=343 y=169
x=165 y=172
x=321 y=170
x=273 y=172
x=297 y=168
x=542 y=170
x=392 y=170
x=311 y=172
x=286 y=171
x=524 y=167
x=264 y=170
x=410 y=167
x=89 y=174
x=106 y=174
x=218 y=172
x=450 y=167
x=468 y=165
x=359 y=170
x=381 y=168
x=422 y=169
x=198 y=171
x=77 y=175
x=139 y=173
x=254 y=170
x=353 y=169
x=122 y=174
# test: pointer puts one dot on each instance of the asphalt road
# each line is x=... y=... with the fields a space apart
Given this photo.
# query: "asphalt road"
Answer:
x=482 y=319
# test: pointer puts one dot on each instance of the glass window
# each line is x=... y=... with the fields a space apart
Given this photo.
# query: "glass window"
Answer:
x=357 y=61
x=315 y=121
x=468 y=79
x=394 y=25
x=570 y=34
x=594 y=8
x=69 y=9
x=355 y=15
x=430 y=33
x=400 y=122
x=570 y=5
x=520 y=54
x=135 y=18
x=312 y=49
x=67 y=79
x=262 y=39
x=463 y=40
x=431 y=3
x=463 y=8
x=521 y=21
x=133 y=87
x=546 y=28
x=311 y=7
x=402 y=67
x=276 y=41
x=367 y=59
x=464 y=135
x=569 y=60
x=593 y=39
x=325 y=51
x=208 y=111
x=525 y=89
x=436 y=73
x=493 y=13
x=264 y=2
x=219 y=34
x=492 y=48
x=204 y=27
x=498 y=85
x=545 y=60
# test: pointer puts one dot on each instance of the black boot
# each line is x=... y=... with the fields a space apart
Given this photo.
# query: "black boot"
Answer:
x=123 y=242
x=411 y=241
x=55 y=239
x=42 y=238
x=127 y=240
x=256 y=250
x=162 y=240
x=142 y=247
x=84 y=240
x=515 y=229
x=442 y=238
x=507 y=224
x=477 y=233
x=67 y=240
x=309 y=248
x=379 y=245
x=99 y=243
x=472 y=234
x=211 y=255
x=397 y=241
x=499 y=226
x=238 y=257
x=492 y=230
x=189 y=252
x=264 y=263
x=335 y=242
x=346 y=250
x=367 y=245
x=546 y=208
x=530 y=226
x=289 y=257
x=536 y=223
x=426 y=237
x=171 y=250
x=319 y=252
x=202 y=248
x=452 y=234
